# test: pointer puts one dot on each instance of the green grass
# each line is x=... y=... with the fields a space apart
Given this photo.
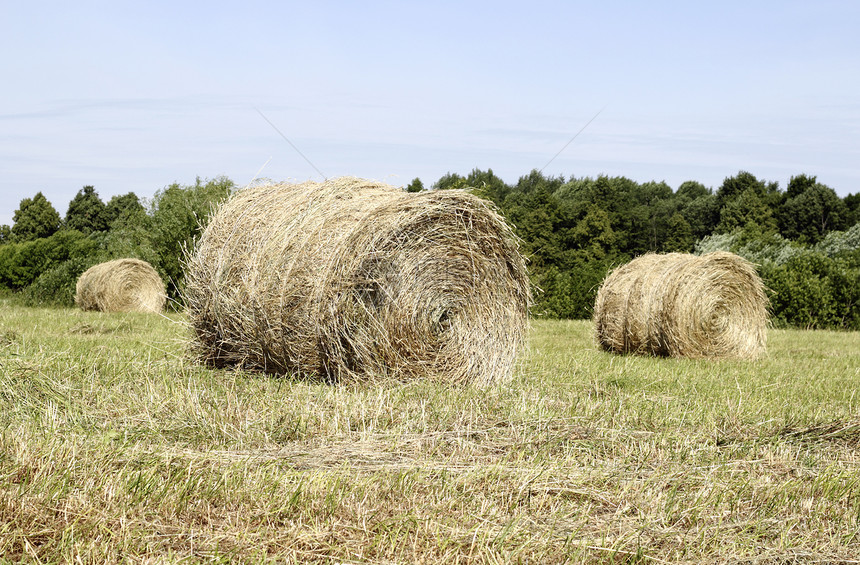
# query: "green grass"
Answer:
x=114 y=449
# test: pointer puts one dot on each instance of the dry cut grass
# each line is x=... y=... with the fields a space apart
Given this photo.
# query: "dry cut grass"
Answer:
x=115 y=449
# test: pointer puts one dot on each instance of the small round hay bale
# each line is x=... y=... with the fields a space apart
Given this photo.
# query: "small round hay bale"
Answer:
x=354 y=280
x=121 y=285
x=682 y=305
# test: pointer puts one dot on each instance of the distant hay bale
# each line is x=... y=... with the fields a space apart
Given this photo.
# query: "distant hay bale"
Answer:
x=121 y=285
x=682 y=305
x=354 y=280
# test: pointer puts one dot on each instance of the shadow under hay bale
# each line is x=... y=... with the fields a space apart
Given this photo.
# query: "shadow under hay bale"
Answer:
x=352 y=279
x=121 y=285
x=682 y=305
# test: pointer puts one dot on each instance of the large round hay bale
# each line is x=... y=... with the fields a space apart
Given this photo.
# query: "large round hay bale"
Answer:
x=121 y=285
x=351 y=279
x=683 y=305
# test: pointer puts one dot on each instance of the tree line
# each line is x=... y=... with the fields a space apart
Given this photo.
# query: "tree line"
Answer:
x=805 y=239
x=42 y=254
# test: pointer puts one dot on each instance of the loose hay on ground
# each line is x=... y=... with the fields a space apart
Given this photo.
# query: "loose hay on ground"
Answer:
x=121 y=285
x=683 y=305
x=354 y=280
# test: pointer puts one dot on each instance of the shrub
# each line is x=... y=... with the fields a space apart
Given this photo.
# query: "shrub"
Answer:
x=56 y=286
x=811 y=290
x=22 y=263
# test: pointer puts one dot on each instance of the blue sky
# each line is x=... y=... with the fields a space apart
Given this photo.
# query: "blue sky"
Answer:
x=135 y=96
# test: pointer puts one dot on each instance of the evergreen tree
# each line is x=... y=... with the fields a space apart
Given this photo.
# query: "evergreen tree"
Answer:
x=34 y=219
x=86 y=212
x=132 y=231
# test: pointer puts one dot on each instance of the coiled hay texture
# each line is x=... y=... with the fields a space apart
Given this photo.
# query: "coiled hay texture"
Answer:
x=354 y=280
x=682 y=305
x=121 y=285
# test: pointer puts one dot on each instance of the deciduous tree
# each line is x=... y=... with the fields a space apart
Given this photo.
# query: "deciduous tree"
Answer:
x=177 y=215
x=747 y=211
x=126 y=205
x=808 y=215
x=415 y=186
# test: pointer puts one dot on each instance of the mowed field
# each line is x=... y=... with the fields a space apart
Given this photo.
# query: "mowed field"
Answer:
x=113 y=448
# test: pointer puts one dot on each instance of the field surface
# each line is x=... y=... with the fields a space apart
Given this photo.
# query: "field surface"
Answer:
x=113 y=448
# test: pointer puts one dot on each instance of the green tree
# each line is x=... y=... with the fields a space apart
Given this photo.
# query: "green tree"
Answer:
x=742 y=201
x=852 y=203
x=415 y=186
x=535 y=216
x=450 y=180
x=594 y=234
x=536 y=181
x=798 y=185
x=123 y=206
x=177 y=216
x=487 y=185
x=692 y=189
x=651 y=206
x=624 y=201
x=702 y=214
x=732 y=187
x=679 y=235
x=807 y=216
x=86 y=212
x=602 y=191
x=569 y=291
x=35 y=218
x=131 y=231
x=748 y=212
x=5 y=234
